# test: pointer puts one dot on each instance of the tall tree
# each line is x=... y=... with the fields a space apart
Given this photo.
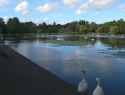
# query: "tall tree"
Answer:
x=2 y=26
x=33 y=28
x=82 y=22
x=13 y=25
x=10 y=28
x=114 y=30
x=92 y=27
x=82 y=29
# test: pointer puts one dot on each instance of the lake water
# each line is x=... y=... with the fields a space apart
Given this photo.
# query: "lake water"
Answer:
x=66 y=55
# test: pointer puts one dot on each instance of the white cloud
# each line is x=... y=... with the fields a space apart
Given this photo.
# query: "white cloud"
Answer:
x=63 y=22
x=96 y=13
x=3 y=2
x=70 y=3
x=96 y=4
x=48 y=21
x=57 y=14
x=122 y=8
x=5 y=18
x=40 y=21
x=22 y=7
x=104 y=16
x=47 y=0
x=87 y=14
x=79 y=12
x=23 y=20
x=47 y=7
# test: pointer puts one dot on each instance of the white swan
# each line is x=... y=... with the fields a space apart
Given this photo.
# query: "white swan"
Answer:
x=83 y=84
x=88 y=46
x=92 y=39
x=98 y=90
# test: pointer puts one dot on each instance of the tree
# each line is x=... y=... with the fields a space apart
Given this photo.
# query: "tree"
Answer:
x=44 y=27
x=92 y=27
x=77 y=28
x=13 y=25
x=54 y=24
x=107 y=27
x=123 y=28
x=39 y=31
x=82 y=22
x=2 y=26
x=82 y=29
x=114 y=30
x=16 y=25
x=100 y=28
x=10 y=28
x=33 y=28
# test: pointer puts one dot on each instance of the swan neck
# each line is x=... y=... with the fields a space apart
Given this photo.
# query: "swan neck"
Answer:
x=83 y=78
x=98 y=83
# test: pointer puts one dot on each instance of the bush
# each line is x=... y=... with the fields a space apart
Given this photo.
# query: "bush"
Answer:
x=5 y=56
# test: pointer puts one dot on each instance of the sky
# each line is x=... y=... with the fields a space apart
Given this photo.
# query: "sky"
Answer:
x=63 y=11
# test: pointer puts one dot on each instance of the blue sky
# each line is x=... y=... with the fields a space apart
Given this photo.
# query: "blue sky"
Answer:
x=63 y=11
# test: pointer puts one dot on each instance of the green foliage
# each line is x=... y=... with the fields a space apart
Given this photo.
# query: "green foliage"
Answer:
x=39 y=31
x=100 y=28
x=114 y=30
x=92 y=27
x=14 y=26
x=82 y=29
x=2 y=26
x=5 y=56
x=33 y=29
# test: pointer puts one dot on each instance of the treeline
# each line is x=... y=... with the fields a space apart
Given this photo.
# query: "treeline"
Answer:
x=14 y=26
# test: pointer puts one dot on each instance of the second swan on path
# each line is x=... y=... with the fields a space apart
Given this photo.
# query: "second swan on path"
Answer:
x=98 y=90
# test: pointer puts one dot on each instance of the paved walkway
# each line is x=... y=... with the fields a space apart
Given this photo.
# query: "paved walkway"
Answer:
x=20 y=76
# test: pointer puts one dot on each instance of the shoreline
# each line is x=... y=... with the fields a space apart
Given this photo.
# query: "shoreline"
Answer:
x=21 y=76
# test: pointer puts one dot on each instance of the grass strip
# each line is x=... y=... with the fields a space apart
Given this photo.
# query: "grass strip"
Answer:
x=2 y=54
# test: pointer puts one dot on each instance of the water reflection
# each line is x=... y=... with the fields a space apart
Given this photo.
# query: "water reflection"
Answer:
x=67 y=55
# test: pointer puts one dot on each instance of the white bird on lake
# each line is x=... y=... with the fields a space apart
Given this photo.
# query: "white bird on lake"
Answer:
x=92 y=39
x=1 y=37
x=85 y=37
x=88 y=46
x=83 y=84
x=98 y=90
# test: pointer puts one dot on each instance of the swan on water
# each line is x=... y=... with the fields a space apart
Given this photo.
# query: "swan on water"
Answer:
x=1 y=37
x=92 y=39
x=98 y=90
x=83 y=84
x=85 y=37
x=88 y=46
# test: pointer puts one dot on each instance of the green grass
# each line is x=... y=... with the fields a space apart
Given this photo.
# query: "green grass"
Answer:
x=2 y=54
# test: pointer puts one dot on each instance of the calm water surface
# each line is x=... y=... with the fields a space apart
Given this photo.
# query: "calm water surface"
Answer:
x=66 y=55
